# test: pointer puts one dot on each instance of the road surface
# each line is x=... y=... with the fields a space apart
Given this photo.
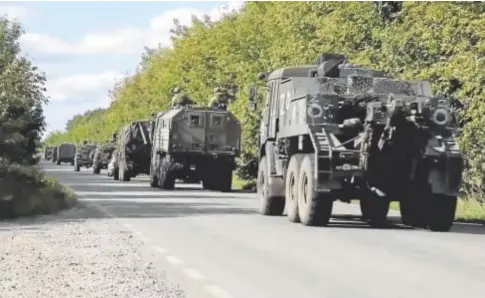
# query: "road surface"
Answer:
x=216 y=245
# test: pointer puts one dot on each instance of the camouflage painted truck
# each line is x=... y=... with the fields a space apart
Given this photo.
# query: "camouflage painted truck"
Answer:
x=134 y=147
x=83 y=156
x=336 y=131
x=102 y=156
x=65 y=153
x=194 y=144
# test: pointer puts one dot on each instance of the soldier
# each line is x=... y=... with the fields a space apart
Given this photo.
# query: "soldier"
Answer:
x=221 y=98
x=179 y=98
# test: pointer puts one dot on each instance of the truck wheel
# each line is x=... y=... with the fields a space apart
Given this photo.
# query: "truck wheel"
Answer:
x=224 y=181
x=269 y=204
x=291 y=187
x=72 y=162
x=153 y=176
x=414 y=207
x=166 y=177
x=442 y=213
x=58 y=162
x=208 y=183
x=314 y=209
x=116 y=174
x=96 y=169
x=375 y=210
x=122 y=173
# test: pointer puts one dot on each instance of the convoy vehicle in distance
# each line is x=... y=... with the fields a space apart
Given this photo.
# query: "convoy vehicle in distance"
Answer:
x=102 y=156
x=337 y=131
x=83 y=157
x=66 y=153
x=48 y=153
x=134 y=148
x=194 y=144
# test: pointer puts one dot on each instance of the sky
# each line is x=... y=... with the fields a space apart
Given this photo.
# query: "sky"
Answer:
x=84 y=47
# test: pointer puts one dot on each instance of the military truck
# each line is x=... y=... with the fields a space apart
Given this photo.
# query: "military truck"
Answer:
x=195 y=144
x=337 y=131
x=54 y=154
x=66 y=153
x=102 y=156
x=134 y=148
x=48 y=153
x=83 y=157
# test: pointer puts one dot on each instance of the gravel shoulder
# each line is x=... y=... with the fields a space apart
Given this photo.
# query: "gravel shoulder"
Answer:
x=75 y=255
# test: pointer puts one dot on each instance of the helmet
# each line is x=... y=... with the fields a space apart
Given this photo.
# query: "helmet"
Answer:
x=176 y=90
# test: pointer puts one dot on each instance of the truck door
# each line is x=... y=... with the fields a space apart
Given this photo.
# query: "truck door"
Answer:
x=273 y=110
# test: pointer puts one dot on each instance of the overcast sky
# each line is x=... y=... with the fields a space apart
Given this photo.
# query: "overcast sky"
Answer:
x=83 y=47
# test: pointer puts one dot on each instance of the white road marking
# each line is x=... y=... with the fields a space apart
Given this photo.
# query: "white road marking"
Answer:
x=159 y=249
x=174 y=260
x=195 y=274
x=217 y=291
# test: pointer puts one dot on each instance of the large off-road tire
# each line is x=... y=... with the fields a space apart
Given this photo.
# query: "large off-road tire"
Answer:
x=122 y=173
x=224 y=176
x=442 y=212
x=96 y=169
x=153 y=175
x=58 y=162
x=374 y=209
x=414 y=206
x=314 y=209
x=116 y=174
x=269 y=204
x=166 y=178
x=208 y=182
x=291 y=187
x=72 y=162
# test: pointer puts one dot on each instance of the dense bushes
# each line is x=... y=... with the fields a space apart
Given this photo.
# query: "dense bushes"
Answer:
x=443 y=42
x=24 y=189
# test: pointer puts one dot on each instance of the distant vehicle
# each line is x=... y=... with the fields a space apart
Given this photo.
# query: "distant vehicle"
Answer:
x=102 y=156
x=83 y=156
x=66 y=153
x=338 y=131
x=48 y=153
x=194 y=144
x=134 y=148
x=55 y=152
x=113 y=165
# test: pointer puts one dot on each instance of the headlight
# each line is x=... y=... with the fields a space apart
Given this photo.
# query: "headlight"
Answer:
x=441 y=116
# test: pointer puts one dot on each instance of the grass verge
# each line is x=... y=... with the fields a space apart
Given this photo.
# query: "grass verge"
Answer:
x=240 y=184
x=27 y=191
x=469 y=209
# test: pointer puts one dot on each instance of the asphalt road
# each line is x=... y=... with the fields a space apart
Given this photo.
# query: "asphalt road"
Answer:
x=217 y=245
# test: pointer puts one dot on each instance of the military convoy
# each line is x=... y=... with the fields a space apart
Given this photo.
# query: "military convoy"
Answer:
x=337 y=131
x=329 y=131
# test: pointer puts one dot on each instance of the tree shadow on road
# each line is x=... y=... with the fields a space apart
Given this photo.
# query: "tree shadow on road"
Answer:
x=394 y=222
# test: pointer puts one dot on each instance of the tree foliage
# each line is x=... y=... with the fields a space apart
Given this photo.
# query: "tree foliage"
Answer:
x=21 y=99
x=443 y=42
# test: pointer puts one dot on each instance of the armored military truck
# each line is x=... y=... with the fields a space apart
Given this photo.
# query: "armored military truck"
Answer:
x=337 y=131
x=102 y=156
x=54 y=154
x=196 y=144
x=83 y=157
x=134 y=148
x=66 y=153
